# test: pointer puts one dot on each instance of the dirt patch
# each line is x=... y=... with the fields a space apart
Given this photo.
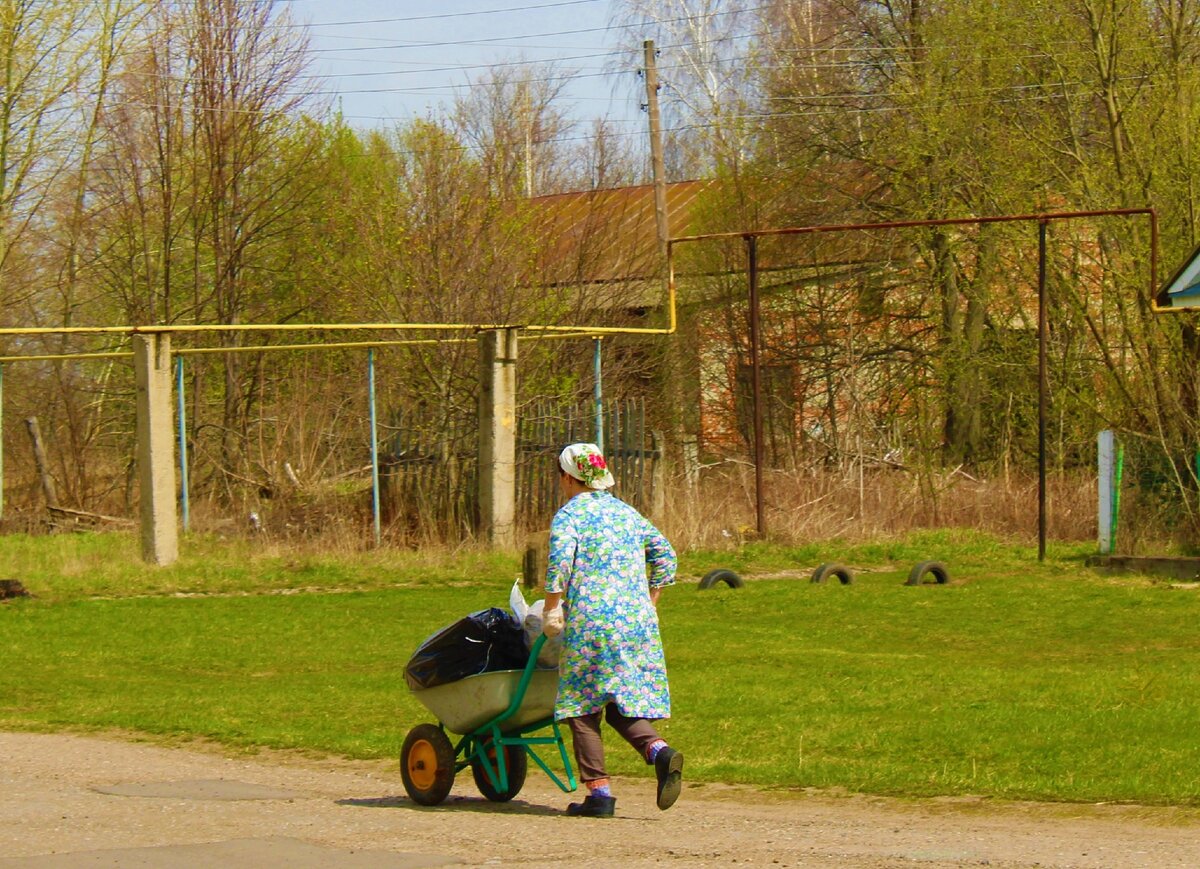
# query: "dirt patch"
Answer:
x=57 y=798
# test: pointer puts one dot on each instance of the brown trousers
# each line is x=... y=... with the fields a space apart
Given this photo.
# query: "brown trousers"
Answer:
x=589 y=747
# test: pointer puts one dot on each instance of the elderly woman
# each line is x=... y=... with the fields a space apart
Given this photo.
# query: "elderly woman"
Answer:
x=608 y=566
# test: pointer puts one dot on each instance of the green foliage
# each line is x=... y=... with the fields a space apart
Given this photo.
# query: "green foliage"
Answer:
x=923 y=343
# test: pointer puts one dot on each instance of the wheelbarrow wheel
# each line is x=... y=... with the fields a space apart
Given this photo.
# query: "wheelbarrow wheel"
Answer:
x=517 y=763
x=427 y=764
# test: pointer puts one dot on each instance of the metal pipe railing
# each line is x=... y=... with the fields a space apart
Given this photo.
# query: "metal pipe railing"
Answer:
x=1043 y=219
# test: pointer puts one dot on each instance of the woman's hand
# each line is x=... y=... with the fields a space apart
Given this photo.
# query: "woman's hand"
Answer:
x=552 y=622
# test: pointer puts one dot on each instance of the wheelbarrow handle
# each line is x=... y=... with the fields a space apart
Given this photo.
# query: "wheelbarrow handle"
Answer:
x=531 y=664
x=519 y=695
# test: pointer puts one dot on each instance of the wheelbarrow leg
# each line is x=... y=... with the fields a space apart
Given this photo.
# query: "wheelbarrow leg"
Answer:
x=556 y=739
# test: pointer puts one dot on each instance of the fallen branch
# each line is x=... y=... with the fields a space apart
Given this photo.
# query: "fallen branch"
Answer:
x=85 y=516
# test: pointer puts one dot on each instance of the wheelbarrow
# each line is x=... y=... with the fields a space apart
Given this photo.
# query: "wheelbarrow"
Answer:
x=497 y=715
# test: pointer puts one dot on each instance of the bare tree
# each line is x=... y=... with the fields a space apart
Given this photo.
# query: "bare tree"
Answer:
x=606 y=158
x=706 y=68
x=246 y=67
x=511 y=119
x=43 y=54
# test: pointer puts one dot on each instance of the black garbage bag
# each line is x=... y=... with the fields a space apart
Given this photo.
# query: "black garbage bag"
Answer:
x=482 y=642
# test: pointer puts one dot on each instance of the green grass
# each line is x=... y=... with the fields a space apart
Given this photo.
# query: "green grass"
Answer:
x=68 y=567
x=72 y=566
x=1018 y=680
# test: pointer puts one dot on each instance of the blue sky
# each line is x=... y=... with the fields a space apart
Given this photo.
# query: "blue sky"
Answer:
x=392 y=60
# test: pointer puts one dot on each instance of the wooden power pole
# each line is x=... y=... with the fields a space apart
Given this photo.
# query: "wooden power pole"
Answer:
x=658 y=167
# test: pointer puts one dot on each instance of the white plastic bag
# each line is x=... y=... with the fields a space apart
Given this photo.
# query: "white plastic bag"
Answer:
x=529 y=616
x=516 y=602
x=552 y=650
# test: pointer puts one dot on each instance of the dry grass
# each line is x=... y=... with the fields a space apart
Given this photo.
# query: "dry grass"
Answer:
x=715 y=512
x=719 y=510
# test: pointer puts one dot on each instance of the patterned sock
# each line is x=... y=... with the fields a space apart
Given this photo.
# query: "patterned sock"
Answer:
x=599 y=788
x=655 y=747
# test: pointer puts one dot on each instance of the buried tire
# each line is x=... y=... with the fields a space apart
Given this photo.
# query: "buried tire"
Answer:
x=922 y=569
x=825 y=571
x=427 y=764
x=721 y=574
x=516 y=761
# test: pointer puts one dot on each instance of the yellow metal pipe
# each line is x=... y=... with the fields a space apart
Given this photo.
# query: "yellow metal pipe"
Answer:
x=196 y=351
x=342 y=345
x=54 y=356
x=671 y=290
x=241 y=327
x=569 y=331
x=319 y=327
x=585 y=331
x=346 y=345
x=349 y=327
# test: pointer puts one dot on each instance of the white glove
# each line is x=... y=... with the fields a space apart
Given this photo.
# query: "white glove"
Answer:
x=552 y=622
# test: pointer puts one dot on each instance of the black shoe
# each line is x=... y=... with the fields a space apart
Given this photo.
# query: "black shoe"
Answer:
x=593 y=807
x=668 y=766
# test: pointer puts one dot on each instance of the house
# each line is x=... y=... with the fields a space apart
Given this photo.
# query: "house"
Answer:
x=849 y=326
x=603 y=250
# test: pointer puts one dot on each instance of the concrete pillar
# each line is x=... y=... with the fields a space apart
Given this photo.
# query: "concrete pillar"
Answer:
x=498 y=436
x=1105 y=467
x=155 y=448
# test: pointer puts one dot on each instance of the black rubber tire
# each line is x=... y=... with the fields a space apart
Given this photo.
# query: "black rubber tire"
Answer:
x=517 y=762
x=925 y=568
x=824 y=571
x=424 y=744
x=721 y=574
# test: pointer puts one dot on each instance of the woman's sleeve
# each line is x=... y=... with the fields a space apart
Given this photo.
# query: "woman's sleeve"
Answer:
x=562 y=554
x=660 y=558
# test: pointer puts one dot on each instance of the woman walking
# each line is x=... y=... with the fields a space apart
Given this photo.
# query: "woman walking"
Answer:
x=607 y=567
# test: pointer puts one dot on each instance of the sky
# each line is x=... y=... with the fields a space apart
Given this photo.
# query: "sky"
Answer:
x=392 y=60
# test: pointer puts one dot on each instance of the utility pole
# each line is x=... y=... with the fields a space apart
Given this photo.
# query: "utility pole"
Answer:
x=528 y=144
x=673 y=381
x=658 y=167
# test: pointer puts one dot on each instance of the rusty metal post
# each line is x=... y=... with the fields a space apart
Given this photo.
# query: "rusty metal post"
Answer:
x=756 y=381
x=1043 y=397
x=1042 y=219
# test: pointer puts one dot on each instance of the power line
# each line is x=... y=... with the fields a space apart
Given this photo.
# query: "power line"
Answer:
x=458 y=67
x=763 y=116
x=494 y=39
x=442 y=15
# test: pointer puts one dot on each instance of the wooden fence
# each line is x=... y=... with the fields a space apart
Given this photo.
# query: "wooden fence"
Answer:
x=545 y=427
x=428 y=472
x=429 y=466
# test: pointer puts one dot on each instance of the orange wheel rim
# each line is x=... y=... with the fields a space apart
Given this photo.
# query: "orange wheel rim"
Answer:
x=422 y=764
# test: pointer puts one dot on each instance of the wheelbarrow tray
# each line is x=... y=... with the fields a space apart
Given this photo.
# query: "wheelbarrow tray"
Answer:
x=469 y=703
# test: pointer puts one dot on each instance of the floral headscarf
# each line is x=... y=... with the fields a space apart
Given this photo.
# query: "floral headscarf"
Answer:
x=586 y=463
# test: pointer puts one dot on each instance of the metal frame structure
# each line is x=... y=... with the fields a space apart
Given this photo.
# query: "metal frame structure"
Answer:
x=750 y=238
x=546 y=333
x=1043 y=220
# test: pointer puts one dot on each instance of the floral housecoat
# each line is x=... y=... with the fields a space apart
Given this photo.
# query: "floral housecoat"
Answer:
x=604 y=558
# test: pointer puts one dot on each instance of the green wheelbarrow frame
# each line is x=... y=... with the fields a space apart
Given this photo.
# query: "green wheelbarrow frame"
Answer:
x=483 y=746
x=474 y=746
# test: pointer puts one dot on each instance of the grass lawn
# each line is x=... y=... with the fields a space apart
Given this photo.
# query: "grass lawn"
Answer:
x=1017 y=680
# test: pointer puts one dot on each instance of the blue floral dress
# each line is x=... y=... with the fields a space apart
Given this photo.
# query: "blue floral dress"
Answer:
x=604 y=558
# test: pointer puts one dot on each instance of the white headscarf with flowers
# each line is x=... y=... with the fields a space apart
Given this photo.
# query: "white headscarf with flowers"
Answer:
x=586 y=463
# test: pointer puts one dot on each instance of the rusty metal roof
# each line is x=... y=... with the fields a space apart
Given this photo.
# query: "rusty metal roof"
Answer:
x=606 y=236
